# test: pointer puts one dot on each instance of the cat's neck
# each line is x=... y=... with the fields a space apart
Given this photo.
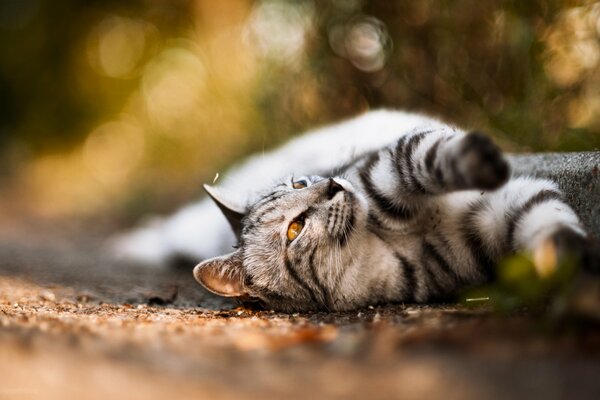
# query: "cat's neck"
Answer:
x=375 y=264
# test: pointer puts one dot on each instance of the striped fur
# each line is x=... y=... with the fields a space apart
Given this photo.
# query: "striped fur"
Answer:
x=411 y=227
x=427 y=212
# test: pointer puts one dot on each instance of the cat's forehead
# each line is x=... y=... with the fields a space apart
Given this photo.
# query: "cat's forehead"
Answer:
x=270 y=201
x=282 y=193
x=268 y=214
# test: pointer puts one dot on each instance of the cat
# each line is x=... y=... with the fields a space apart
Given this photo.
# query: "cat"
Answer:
x=386 y=207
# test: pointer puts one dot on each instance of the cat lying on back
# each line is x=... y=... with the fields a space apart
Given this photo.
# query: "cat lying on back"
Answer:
x=386 y=207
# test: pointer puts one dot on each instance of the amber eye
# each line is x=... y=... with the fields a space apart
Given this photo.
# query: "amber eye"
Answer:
x=294 y=230
x=301 y=184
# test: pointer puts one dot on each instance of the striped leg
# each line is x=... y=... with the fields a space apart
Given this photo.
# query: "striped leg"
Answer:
x=437 y=162
x=548 y=228
x=524 y=215
x=444 y=162
x=539 y=215
x=431 y=162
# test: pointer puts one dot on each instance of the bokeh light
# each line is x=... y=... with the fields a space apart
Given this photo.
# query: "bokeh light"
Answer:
x=113 y=150
x=117 y=46
x=173 y=84
x=364 y=41
x=129 y=107
x=278 y=29
x=573 y=45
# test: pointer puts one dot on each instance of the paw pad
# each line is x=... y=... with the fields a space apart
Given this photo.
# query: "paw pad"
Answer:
x=483 y=162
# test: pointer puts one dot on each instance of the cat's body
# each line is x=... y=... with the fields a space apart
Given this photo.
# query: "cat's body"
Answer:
x=199 y=231
x=385 y=207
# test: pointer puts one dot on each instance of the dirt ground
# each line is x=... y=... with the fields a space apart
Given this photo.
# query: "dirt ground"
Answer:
x=75 y=324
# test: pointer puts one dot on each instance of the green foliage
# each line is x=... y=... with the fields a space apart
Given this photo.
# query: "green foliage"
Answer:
x=519 y=286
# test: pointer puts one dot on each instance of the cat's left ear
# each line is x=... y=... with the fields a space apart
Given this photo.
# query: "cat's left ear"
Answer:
x=231 y=209
x=222 y=275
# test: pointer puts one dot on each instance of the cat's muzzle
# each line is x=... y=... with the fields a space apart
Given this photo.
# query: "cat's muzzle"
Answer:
x=334 y=188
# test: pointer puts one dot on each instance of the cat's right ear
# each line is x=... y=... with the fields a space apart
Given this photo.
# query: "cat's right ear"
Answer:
x=222 y=275
x=231 y=209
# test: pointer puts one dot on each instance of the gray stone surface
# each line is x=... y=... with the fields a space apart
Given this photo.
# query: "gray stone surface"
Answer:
x=578 y=175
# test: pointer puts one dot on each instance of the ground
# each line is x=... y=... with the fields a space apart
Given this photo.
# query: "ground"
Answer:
x=77 y=325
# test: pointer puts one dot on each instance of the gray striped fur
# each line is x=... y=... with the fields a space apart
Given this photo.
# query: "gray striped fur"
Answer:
x=416 y=220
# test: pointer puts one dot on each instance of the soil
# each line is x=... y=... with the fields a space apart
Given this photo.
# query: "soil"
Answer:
x=76 y=324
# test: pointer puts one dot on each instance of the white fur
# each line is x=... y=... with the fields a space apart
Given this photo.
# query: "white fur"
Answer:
x=542 y=221
x=380 y=174
x=200 y=231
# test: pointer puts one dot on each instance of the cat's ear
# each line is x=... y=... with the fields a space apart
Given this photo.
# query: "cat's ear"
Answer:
x=222 y=275
x=232 y=209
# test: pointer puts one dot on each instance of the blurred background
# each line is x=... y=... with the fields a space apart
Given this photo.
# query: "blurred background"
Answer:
x=110 y=110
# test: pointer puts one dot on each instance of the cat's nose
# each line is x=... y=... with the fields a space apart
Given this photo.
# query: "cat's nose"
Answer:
x=333 y=188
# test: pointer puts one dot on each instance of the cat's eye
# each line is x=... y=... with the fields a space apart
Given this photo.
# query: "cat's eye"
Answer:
x=294 y=230
x=300 y=184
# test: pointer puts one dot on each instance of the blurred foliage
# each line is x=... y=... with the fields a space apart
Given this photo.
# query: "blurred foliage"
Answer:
x=131 y=105
x=521 y=285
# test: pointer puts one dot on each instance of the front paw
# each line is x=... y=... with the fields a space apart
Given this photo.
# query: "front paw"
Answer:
x=481 y=162
x=570 y=259
x=567 y=247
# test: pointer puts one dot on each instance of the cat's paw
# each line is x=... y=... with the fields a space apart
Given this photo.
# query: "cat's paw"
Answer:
x=567 y=255
x=567 y=247
x=482 y=163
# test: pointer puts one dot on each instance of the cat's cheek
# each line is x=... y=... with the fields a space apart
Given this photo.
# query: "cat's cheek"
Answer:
x=360 y=208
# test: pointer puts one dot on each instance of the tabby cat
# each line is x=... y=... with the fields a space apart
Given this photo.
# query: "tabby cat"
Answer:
x=386 y=207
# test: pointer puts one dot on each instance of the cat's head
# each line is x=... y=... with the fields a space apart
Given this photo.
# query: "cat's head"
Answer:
x=296 y=244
